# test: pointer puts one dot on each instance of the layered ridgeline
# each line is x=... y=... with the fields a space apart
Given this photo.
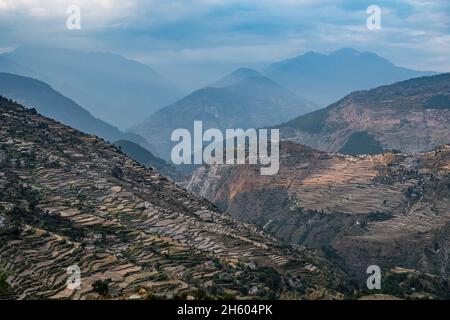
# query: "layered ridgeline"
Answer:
x=115 y=89
x=67 y=198
x=244 y=99
x=235 y=77
x=36 y=94
x=326 y=78
x=389 y=210
x=410 y=116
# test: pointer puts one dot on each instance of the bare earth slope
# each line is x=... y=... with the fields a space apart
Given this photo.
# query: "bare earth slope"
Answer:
x=67 y=198
x=391 y=210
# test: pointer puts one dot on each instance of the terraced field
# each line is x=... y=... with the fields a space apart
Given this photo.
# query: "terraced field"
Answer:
x=68 y=199
x=391 y=210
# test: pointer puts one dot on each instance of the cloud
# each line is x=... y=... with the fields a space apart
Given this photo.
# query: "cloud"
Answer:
x=415 y=33
x=50 y=12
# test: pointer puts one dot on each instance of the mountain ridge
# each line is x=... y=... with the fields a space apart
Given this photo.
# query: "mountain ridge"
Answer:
x=411 y=116
x=104 y=83
x=325 y=79
x=251 y=102
x=34 y=93
x=236 y=76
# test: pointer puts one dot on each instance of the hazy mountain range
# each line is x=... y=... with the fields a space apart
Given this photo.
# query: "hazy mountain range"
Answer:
x=243 y=99
x=39 y=95
x=236 y=76
x=123 y=92
x=115 y=89
x=70 y=195
x=324 y=79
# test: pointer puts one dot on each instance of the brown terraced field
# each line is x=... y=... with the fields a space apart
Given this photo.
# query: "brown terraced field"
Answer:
x=390 y=210
x=72 y=199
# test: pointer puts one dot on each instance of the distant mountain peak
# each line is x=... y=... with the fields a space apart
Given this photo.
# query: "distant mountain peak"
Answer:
x=345 y=52
x=365 y=56
x=116 y=89
x=325 y=79
x=247 y=72
x=236 y=102
x=258 y=80
x=308 y=56
x=311 y=54
x=236 y=76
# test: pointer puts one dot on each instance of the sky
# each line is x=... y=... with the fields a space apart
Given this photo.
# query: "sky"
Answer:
x=193 y=42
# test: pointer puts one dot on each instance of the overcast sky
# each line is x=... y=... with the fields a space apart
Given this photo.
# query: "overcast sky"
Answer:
x=194 y=41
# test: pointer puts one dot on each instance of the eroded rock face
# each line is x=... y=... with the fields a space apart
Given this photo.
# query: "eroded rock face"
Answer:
x=411 y=116
x=136 y=231
x=389 y=210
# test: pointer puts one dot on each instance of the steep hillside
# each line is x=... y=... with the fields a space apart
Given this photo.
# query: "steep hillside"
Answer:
x=67 y=198
x=112 y=88
x=324 y=79
x=389 y=210
x=252 y=102
x=410 y=116
x=39 y=95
